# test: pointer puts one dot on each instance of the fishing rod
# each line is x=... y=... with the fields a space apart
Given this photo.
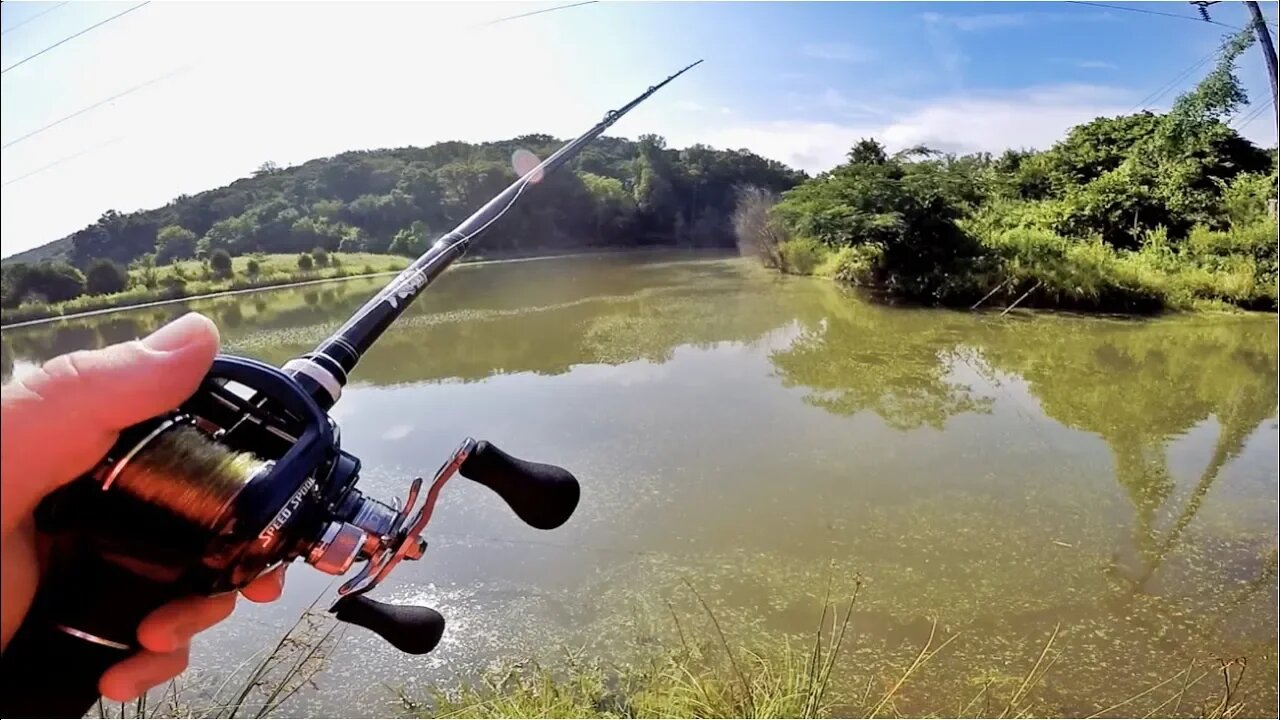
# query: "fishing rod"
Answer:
x=248 y=474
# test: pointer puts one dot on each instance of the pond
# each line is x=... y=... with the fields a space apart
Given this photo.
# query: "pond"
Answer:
x=771 y=439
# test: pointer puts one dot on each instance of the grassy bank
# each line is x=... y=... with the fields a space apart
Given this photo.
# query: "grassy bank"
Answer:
x=192 y=278
x=1031 y=267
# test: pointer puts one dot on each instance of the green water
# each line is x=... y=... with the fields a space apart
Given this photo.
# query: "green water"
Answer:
x=766 y=437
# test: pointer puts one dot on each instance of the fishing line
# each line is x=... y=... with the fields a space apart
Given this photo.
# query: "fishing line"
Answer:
x=185 y=472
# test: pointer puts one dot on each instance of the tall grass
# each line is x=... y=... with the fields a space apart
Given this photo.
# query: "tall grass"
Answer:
x=261 y=686
x=698 y=672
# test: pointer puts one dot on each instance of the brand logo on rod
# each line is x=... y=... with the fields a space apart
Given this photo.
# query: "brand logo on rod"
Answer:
x=407 y=285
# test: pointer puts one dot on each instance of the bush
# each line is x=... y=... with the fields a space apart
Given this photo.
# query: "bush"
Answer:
x=47 y=282
x=1247 y=198
x=335 y=261
x=305 y=263
x=105 y=277
x=220 y=263
x=320 y=256
x=252 y=268
x=856 y=265
x=802 y=255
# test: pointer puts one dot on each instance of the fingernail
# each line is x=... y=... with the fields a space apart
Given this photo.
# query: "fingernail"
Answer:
x=177 y=334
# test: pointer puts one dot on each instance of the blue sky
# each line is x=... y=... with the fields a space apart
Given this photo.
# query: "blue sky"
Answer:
x=230 y=85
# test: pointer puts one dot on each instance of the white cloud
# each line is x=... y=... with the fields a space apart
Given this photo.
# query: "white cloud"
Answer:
x=1034 y=117
x=975 y=23
x=840 y=52
x=1095 y=64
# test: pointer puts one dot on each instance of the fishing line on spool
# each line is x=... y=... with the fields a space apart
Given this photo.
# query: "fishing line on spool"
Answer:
x=187 y=473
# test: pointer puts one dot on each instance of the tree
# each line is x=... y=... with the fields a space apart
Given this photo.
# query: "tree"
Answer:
x=220 y=263
x=758 y=232
x=105 y=277
x=144 y=269
x=305 y=263
x=174 y=242
x=49 y=282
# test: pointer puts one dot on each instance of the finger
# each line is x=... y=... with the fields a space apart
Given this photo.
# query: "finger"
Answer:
x=267 y=588
x=172 y=626
x=139 y=673
x=83 y=399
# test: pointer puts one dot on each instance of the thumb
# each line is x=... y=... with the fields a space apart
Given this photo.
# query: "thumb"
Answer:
x=60 y=420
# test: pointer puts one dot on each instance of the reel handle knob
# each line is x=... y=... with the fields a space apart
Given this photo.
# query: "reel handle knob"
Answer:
x=410 y=628
x=542 y=495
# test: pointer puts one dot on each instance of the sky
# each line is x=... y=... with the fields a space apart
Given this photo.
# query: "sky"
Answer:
x=208 y=91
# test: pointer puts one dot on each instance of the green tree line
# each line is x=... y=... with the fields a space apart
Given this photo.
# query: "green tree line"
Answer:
x=1137 y=212
x=617 y=193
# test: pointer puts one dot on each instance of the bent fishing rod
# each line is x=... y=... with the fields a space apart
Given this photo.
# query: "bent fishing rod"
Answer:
x=248 y=474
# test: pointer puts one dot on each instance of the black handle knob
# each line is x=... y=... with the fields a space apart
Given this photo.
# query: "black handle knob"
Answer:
x=410 y=628
x=83 y=620
x=542 y=495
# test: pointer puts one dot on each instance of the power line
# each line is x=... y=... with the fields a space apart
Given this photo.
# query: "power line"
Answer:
x=1253 y=115
x=539 y=12
x=73 y=37
x=96 y=105
x=33 y=17
x=1153 y=12
x=1159 y=92
x=61 y=160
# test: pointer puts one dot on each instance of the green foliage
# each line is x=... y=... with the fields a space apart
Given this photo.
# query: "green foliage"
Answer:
x=802 y=255
x=174 y=242
x=321 y=257
x=906 y=208
x=619 y=193
x=220 y=263
x=48 y=282
x=1248 y=198
x=252 y=268
x=305 y=263
x=105 y=277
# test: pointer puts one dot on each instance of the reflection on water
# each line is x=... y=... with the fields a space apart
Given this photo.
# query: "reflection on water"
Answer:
x=766 y=437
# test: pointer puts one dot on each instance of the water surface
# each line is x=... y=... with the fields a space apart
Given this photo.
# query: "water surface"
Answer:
x=765 y=438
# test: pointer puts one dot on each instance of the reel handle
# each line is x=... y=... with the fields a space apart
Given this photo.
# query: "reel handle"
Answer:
x=51 y=672
x=542 y=495
x=410 y=628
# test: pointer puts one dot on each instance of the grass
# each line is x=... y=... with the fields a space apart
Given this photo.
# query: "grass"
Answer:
x=274 y=270
x=696 y=672
x=260 y=687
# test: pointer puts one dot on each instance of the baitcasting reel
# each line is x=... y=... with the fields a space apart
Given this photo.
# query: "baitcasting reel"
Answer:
x=246 y=475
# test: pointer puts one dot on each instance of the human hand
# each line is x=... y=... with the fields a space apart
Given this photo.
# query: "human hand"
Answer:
x=56 y=423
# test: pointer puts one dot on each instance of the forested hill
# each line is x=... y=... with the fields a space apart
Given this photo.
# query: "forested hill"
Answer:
x=618 y=192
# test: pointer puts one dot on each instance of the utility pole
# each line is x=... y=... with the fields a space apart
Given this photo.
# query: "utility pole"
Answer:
x=1264 y=39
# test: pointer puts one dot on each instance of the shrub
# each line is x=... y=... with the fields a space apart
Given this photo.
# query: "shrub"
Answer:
x=305 y=263
x=105 y=277
x=1246 y=199
x=320 y=256
x=856 y=265
x=252 y=268
x=802 y=255
x=220 y=263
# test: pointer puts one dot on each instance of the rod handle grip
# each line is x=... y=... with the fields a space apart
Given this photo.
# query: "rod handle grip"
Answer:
x=84 y=619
